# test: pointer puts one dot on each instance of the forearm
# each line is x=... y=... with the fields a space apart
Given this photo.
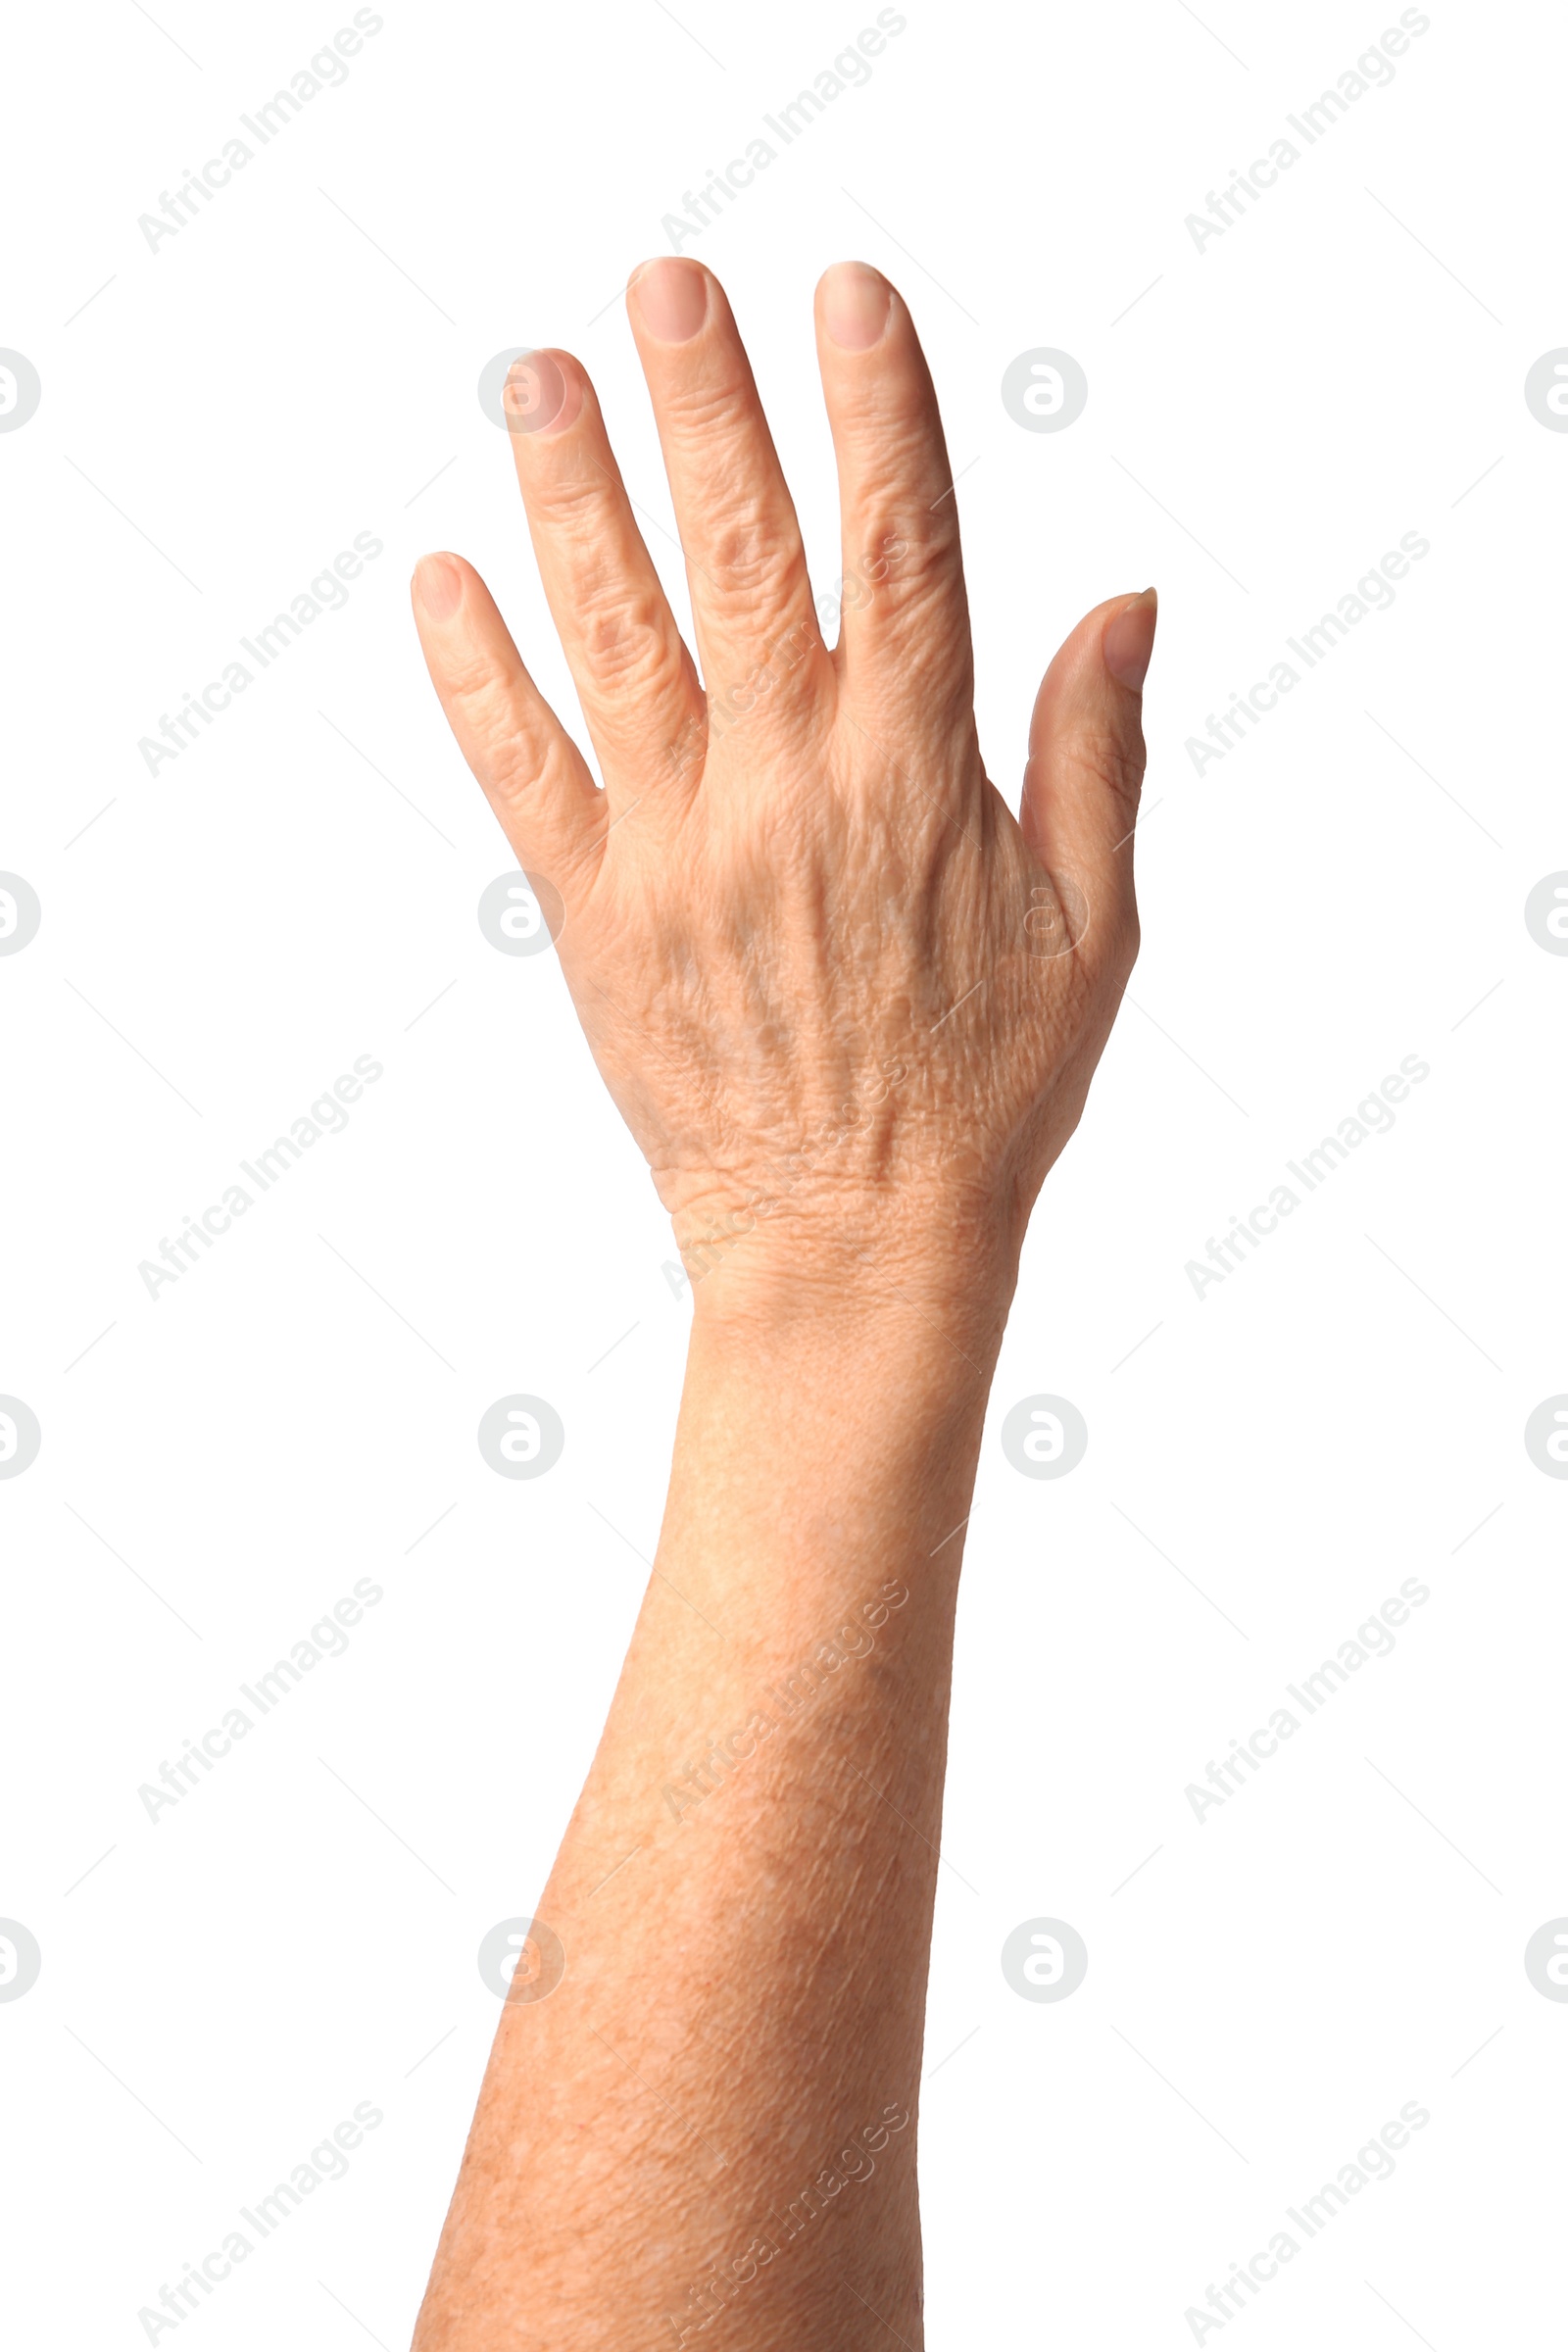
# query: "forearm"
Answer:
x=849 y=1006
x=705 y=2113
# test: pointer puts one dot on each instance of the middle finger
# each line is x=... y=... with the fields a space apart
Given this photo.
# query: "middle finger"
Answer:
x=757 y=637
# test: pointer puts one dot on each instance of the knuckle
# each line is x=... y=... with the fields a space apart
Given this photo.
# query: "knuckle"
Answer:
x=617 y=615
x=745 y=540
x=575 y=503
x=509 y=754
x=905 y=566
x=753 y=553
x=628 y=642
x=518 y=767
x=702 y=411
x=1112 y=761
x=903 y=540
x=470 y=679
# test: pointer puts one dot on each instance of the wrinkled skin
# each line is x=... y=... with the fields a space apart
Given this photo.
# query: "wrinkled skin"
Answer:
x=846 y=1000
x=849 y=1006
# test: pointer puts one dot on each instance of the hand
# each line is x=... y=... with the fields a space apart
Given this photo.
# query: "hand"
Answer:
x=846 y=1003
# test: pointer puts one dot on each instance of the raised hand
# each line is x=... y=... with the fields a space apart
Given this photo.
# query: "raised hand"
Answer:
x=843 y=997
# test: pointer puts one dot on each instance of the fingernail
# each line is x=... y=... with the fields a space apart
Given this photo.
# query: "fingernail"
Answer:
x=671 y=299
x=539 y=395
x=440 y=586
x=1129 y=640
x=856 y=305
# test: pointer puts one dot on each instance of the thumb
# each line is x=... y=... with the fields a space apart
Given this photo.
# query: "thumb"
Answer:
x=1086 y=754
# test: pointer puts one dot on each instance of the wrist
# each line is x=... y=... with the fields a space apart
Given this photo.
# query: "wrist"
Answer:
x=851 y=1336
x=857 y=1273
x=857 y=1294
x=838 y=1445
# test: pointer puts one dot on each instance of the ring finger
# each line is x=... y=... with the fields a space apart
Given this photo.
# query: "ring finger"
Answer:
x=635 y=679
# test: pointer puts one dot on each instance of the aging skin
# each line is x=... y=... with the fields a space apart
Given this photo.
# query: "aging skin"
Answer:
x=849 y=1005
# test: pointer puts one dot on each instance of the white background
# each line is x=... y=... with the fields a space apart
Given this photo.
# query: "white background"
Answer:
x=219 y=1464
